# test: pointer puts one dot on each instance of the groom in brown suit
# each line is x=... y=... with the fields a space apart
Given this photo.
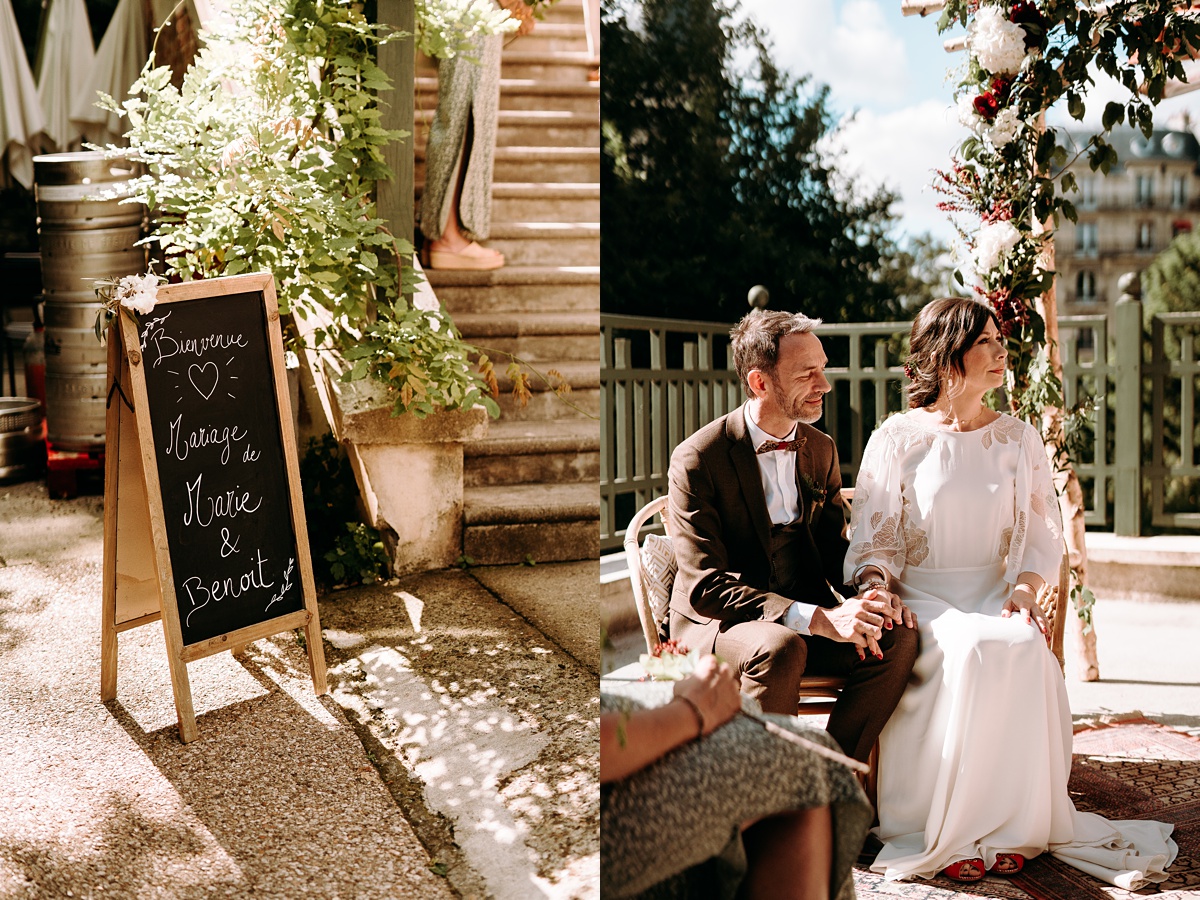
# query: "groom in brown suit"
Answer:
x=758 y=529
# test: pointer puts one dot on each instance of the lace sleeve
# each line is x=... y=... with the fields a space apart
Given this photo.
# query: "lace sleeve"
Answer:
x=876 y=521
x=1037 y=538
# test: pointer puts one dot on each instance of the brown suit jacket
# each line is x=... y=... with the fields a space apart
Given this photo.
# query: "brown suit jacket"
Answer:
x=721 y=531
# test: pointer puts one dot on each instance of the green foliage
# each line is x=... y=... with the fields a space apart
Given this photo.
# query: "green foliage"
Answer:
x=711 y=178
x=344 y=550
x=1084 y=601
x=1171 y=283
x=266 y=159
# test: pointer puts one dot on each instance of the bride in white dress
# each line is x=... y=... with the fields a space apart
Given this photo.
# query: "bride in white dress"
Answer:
x=955 y=510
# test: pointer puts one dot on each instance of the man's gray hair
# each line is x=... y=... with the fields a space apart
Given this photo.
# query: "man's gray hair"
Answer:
x=755 y=340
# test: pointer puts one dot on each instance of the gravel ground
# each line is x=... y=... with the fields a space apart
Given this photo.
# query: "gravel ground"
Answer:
x=492 y=725
x=278 y=797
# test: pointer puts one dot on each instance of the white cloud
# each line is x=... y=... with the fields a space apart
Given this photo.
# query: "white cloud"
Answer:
x=848 y=45
x=901 y=150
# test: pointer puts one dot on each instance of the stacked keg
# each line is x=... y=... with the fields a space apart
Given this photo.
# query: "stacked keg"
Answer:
x=85 y=233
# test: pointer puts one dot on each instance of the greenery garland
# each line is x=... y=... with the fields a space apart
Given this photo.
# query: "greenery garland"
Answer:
x=266 y=158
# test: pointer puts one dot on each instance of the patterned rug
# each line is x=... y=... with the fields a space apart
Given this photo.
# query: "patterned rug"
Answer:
x=1133 y=769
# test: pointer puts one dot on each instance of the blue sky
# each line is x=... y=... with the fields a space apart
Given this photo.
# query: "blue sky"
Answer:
x=888 y=78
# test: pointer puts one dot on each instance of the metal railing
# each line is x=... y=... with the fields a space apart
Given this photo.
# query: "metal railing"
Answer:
x=662 y=379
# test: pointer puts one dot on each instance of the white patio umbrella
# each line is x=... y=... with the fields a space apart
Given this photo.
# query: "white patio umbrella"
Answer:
x=118 y=63
x=21 y=119
x=65 y=56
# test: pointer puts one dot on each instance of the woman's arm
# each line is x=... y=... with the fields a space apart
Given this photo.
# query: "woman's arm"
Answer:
x=704 y=701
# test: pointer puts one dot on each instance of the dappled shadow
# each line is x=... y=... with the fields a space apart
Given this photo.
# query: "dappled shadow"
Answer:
x=287 y=792
x=125 y=859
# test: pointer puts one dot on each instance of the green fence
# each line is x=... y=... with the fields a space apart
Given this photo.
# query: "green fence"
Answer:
x=661 y=379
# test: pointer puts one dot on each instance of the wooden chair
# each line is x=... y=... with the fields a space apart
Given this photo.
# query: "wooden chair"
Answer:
x=818 y=693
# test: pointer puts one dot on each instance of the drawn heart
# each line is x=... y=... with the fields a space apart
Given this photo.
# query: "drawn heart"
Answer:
x=202 y=380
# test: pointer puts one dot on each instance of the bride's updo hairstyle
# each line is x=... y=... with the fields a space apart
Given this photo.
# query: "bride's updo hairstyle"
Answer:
x=943 y=332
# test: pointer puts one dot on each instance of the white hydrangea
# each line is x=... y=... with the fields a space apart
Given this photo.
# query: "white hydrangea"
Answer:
x=967 y=114
x=993 y=243
x=1005 y=127
x=997 y=43
x=137 y=292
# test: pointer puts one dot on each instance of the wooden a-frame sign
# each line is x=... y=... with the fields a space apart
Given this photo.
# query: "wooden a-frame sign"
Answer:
x=203 y=517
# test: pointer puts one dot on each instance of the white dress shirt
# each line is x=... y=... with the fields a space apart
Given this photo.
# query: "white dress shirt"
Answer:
x=778 y=472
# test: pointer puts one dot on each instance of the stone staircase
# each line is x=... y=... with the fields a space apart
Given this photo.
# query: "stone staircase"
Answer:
x=531 y=486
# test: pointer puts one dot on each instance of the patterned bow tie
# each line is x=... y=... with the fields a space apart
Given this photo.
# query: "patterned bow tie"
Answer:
x=769 y=446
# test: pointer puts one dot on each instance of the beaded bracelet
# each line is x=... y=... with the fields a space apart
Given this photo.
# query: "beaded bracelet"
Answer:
x=696 y=709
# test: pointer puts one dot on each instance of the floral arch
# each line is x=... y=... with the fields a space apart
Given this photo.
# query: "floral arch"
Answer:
x=1008 y=181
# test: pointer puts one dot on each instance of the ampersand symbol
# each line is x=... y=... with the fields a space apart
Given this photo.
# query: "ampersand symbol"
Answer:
x=226 y=547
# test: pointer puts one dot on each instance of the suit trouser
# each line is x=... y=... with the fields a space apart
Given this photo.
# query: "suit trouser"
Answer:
x=772 y=658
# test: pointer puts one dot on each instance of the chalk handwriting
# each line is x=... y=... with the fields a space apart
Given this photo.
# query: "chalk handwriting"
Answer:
x=226 y=547
x=159 y=345
x=226 y=505
x=180 y=444
x=200 y=594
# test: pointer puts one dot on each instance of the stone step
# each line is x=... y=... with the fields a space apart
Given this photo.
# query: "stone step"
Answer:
x=551 y=36
x=517 y=289
x=552 y=164
x=531 y=128
x=525 y=93
x=542 y=201
x=535 y=337
x=580 y=404
x=557 y=66
x=539 y=452
x=510 y=523
x=547 y=243
x=562 y=12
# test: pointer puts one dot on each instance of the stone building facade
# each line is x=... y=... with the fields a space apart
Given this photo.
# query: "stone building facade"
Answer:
x=1126 y=218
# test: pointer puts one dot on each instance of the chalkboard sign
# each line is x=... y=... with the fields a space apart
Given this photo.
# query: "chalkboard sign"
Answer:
x=219 y=498
x=220 y=460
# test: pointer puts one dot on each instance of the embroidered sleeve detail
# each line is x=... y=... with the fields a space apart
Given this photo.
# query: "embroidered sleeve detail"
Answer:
x=1005 y=430
x=916 y=543
x=886 y=541
x=1005 y=542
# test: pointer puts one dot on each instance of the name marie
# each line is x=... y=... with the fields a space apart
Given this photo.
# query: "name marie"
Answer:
x=203 y=508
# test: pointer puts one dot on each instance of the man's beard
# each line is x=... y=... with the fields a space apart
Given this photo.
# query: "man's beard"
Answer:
x=797 y=410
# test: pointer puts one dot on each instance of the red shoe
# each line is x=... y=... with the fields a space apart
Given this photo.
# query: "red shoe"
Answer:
x=965 y=870
x=1007 y=864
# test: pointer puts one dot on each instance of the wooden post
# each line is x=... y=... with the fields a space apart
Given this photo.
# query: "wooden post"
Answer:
x=398 y=59
x=1070 y=494
x=1127 y=487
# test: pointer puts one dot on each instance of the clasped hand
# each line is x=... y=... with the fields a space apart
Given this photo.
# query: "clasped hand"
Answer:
x=861 y=620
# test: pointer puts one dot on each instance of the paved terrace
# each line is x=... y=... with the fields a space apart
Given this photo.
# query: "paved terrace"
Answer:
x=456 y=755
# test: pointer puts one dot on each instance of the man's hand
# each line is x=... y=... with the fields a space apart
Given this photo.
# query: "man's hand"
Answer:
x=861 y=620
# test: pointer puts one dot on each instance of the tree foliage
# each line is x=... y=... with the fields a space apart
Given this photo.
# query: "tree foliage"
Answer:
x=714 y=179
x=1172 y=282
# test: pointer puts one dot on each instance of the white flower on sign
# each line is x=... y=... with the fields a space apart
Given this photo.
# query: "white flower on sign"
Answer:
x=993 y=243
x=137 y=292
x=1005 y=127
x=995 y=42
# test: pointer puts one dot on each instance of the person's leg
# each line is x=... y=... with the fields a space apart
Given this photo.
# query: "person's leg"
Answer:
x=873 y=687
x=789 y=856
x=770 y=659
x=446 y=252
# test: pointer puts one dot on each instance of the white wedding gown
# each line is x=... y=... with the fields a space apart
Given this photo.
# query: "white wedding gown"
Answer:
x=975 y=759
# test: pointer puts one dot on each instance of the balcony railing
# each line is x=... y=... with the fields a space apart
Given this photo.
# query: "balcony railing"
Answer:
x=662 y=379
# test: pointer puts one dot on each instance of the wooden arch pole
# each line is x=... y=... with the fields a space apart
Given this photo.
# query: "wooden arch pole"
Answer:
x=1070 y=493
